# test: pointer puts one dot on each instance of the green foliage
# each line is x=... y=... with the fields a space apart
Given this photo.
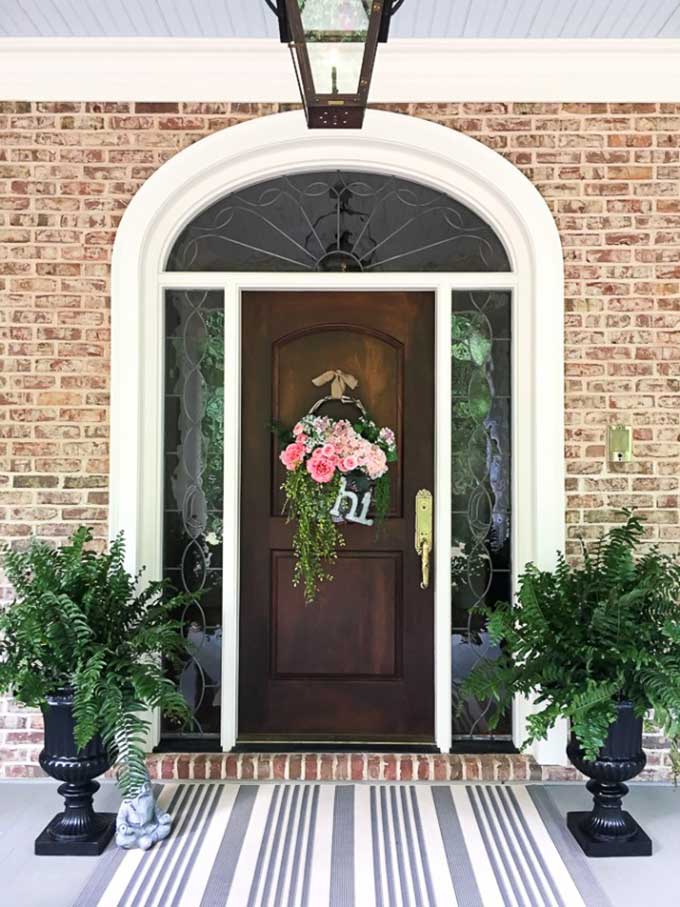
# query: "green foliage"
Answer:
x=471 y=362
x=212 y=422
x=77 y=621
x=317 y=537
x=584 y=637
x=381 y=498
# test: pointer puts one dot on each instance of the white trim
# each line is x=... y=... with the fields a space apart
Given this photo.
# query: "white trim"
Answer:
x=442 y=516
x=389 y=143
x=231 y=530
x=407 y=69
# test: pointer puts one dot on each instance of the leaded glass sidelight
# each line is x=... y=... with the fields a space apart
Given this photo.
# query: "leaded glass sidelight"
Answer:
x=338 y=221
x=193 y=494
x=480 y=502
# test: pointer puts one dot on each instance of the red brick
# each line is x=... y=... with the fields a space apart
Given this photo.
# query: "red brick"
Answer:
x=405 y=768
x=342 y=767
x=389 y=768
x=264 y=768
x=472 y=769
x=441 y=768
x=455 y=768
x=357 y=767
x=294 y=767
x=326 y=768
x=424 y=768
x=199 y=767
x=373 y=768
x=184 y=766
x=279 y=767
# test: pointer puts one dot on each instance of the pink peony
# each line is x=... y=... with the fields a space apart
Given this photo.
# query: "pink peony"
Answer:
x=348 y=464
x=292 y=456
x=362 y=450
x=320 y=468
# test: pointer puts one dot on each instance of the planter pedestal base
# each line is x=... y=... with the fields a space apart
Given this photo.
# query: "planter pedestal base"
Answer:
x=47 y=844
x=637 y=845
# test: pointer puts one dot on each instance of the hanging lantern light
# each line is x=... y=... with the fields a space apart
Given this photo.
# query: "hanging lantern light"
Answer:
x=333 y=44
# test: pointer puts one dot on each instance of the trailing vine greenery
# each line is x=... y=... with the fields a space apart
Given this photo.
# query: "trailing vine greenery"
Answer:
x=78 y=622
x=382 y=498
x=317 y=537
x=586 y=637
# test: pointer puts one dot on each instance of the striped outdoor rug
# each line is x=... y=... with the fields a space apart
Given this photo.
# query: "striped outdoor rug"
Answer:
x=352 y=845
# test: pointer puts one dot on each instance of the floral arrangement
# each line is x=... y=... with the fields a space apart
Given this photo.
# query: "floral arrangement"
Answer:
x=319 y=453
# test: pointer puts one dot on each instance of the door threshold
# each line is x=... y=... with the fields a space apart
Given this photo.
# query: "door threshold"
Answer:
x=338 y=746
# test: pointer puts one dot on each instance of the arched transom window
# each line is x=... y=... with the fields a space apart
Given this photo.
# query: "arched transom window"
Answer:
x=338 y=221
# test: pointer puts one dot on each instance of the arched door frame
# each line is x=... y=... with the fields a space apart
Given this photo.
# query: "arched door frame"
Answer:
x=389 y=143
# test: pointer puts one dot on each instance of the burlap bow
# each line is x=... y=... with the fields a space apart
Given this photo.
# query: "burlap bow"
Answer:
x=340 y=381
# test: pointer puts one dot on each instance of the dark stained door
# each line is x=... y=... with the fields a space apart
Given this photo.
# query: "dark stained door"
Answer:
x=357 y=664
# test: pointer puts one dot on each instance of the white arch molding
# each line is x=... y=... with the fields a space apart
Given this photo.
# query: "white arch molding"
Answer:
x=389 y=143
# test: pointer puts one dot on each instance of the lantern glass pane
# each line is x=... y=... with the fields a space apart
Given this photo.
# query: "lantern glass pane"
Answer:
x=340 y=20
x=335 y=37
x=336 y=67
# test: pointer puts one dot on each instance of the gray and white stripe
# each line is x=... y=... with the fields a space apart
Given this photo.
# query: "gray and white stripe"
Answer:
x=352 y=845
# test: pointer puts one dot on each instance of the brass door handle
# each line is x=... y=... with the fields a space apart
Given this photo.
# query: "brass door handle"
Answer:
x=425 y=565
x=423 y=540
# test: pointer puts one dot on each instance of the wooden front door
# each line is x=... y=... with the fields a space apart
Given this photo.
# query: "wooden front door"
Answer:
x=357 y=665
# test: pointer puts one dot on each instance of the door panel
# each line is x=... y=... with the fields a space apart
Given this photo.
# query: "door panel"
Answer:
x=358 y=663
x=368 y=637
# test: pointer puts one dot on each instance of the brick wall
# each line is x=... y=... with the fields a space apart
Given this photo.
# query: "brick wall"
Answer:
x=610 y=173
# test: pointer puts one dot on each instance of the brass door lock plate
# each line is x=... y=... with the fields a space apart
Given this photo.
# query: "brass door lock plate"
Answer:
x=423 y=539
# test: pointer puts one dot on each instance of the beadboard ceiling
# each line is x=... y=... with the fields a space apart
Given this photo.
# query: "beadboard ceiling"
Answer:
x=416 y=19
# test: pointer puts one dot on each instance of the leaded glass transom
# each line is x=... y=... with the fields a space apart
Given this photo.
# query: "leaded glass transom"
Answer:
x=338 y=221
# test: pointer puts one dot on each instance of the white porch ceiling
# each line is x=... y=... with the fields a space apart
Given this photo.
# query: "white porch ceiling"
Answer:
x=416 y=19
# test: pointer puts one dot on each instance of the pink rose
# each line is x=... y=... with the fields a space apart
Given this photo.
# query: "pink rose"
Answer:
x=320 y=468
x=298 y=429
x=348 y=464
x=328 y=450
x=292 y=456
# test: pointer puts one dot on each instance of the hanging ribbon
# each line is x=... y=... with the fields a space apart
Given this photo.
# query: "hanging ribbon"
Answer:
x=340 y=381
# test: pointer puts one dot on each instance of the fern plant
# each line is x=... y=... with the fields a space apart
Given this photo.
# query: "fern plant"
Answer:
x=582 y=638
x=78 y=622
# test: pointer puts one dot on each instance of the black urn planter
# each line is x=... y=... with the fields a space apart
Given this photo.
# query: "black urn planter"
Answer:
x=609 y=831
x=78 y=831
